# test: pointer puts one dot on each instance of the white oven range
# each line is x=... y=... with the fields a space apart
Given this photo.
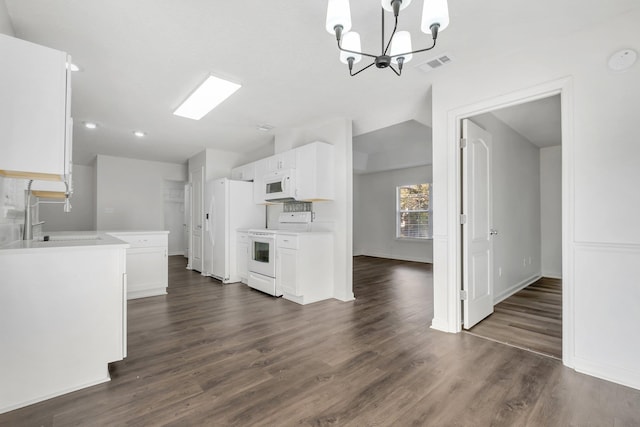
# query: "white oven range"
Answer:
x=262 y=251
x=262 y=261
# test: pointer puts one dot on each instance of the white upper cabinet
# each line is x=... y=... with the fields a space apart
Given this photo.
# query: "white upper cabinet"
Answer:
x=259 y=193
x=312 y=164
x=35 y=123
x=315 y=172
x=281 y=161
x=244 y=173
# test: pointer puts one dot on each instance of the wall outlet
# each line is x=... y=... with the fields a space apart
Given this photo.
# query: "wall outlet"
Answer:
x=499 y=271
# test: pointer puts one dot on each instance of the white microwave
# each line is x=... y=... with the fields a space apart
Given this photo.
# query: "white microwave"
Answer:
x=280 y=186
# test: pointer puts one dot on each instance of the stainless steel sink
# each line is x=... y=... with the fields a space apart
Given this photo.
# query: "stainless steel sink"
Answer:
x=77 y=238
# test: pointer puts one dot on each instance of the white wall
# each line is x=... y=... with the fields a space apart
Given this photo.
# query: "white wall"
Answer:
x=336 y=215
x=174 y=211
x=219 y=163
x=374 y=215
x=516 y=208
x=600 y=153
x=83 y=201
x=130 y=193
x=5 y=22
x=551 y=211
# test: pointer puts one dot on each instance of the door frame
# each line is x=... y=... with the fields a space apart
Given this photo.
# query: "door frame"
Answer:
x=564 y=88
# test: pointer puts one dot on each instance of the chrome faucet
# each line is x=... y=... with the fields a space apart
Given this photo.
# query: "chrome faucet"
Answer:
x=27 y=230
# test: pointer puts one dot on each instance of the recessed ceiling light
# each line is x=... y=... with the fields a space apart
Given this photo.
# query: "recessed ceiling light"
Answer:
x=90 y=125
x=206 y=97
x=139 y=133
x=72 y=66
x=264 y=127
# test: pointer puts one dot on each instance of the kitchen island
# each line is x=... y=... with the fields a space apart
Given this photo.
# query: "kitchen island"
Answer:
x=62 y=315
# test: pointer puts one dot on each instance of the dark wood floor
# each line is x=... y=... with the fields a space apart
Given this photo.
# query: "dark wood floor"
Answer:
x=208 y=354
x=530 y=319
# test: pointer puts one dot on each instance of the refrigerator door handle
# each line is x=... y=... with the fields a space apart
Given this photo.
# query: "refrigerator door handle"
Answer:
x=211 y=220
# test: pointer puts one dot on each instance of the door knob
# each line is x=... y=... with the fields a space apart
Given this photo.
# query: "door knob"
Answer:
x=493 y=232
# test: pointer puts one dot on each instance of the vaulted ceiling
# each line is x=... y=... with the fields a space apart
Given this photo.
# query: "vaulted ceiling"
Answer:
x=140 y=59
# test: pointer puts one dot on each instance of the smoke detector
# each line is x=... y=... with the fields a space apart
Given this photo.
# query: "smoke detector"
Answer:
x=435 y=62
x=623 y=60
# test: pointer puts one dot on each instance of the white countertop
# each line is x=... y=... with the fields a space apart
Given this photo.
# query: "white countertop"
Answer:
x=289 y=232
x=71 y=240
x=64 y=241
x=137 y=233
x=301 y=233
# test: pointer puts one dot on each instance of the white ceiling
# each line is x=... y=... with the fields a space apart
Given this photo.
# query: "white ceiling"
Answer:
x=538 y=121
x=141 y=58
x=394 y=137
x=407 y=144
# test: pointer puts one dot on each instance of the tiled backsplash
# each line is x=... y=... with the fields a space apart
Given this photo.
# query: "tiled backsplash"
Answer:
x=12 y=200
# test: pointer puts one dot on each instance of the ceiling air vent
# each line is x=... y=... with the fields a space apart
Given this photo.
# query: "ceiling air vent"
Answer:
x=434 y=63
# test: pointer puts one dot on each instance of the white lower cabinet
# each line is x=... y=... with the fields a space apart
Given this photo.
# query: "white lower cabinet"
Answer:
x=304 y=266
x=147 y=269
x=64 y=318
x=242 y=258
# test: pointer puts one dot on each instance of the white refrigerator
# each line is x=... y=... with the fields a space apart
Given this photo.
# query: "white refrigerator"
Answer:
x=229 y=206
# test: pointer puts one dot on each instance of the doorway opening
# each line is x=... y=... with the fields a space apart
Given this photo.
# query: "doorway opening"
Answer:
x=511 y=225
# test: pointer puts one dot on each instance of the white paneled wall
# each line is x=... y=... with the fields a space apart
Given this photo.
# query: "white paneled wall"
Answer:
x=599 y=172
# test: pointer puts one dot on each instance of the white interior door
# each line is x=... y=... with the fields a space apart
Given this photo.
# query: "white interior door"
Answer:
x=187 y=221
x=477 y=247
x=197 y=214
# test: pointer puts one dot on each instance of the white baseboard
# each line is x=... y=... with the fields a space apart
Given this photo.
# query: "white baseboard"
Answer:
x=609 y=373
x=440 y=325
x=347 y=298
x=552 y=274
x=397 y=257
x=15 y=406
x=176 y=253
x=515 y=288
x=143 y=293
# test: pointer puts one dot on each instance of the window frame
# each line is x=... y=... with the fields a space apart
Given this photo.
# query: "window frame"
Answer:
x=399 y=211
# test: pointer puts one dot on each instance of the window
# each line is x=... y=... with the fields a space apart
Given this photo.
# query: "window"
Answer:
x=414 y=211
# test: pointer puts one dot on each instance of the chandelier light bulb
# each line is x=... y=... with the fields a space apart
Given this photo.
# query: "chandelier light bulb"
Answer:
x=350 y=41
x=386 y=4
x=401 y=43
x=434 y=12
x=338 y=13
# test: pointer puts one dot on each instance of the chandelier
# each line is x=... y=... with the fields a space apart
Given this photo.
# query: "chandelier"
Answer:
x=397 y=51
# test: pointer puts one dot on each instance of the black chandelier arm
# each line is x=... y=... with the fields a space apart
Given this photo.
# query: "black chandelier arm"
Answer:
x=356 y=52
x=415 y=51
x=351 y=73
x=395 y=71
